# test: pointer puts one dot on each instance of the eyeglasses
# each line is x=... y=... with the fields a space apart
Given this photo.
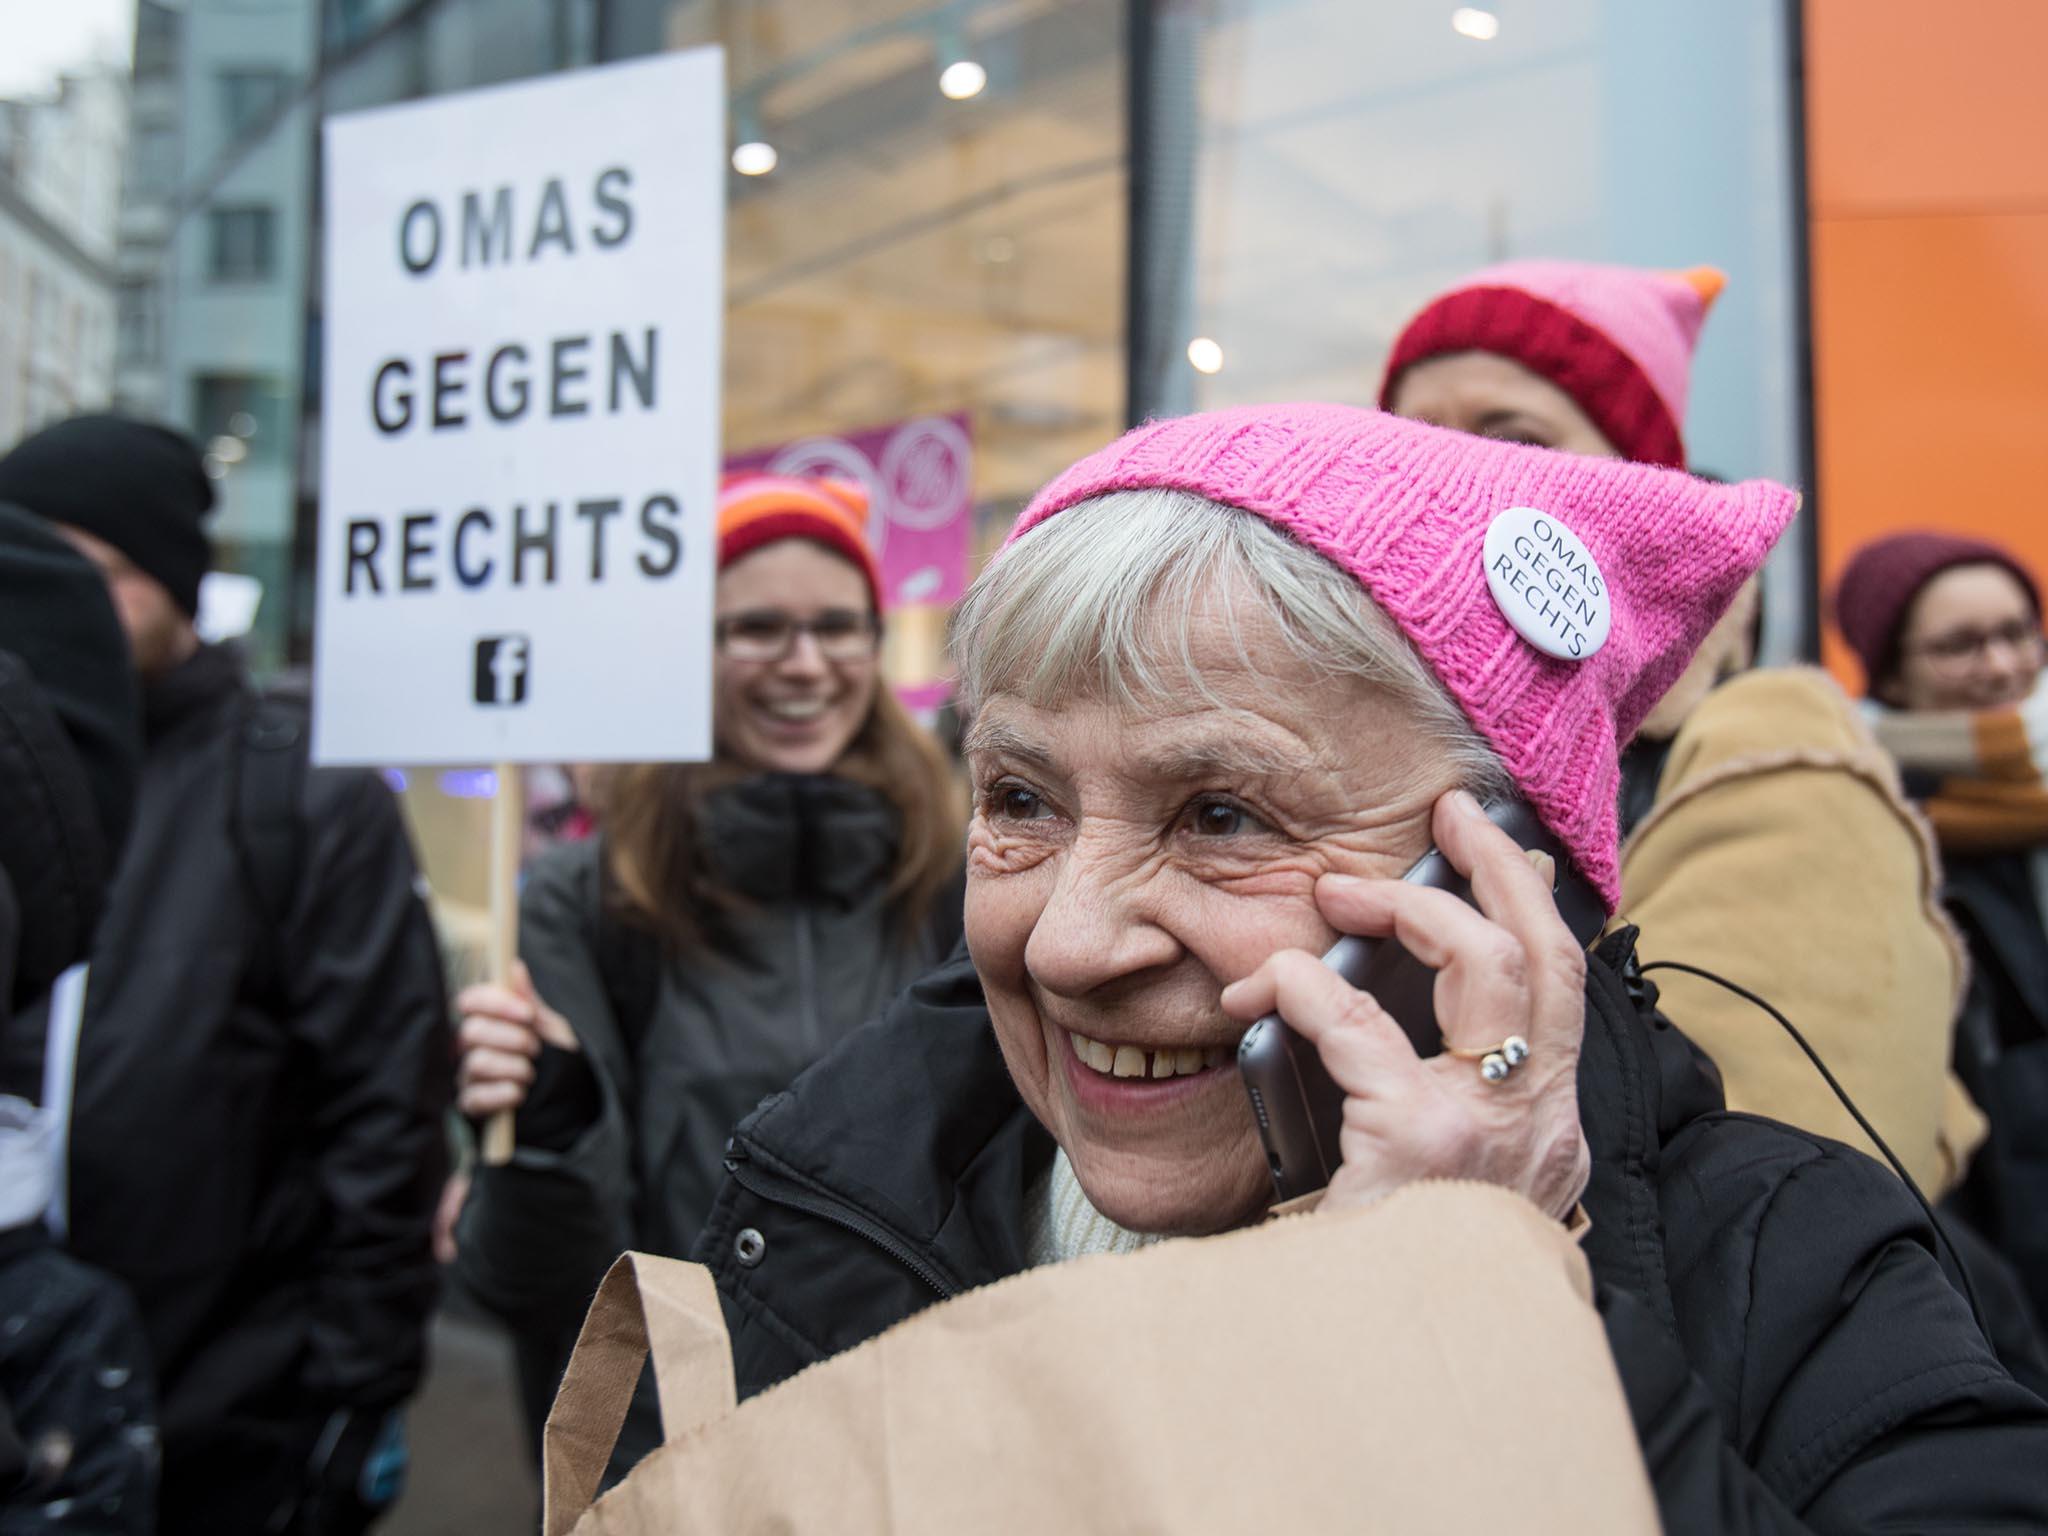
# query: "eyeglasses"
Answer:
x=1962 y=648
x=769 y=634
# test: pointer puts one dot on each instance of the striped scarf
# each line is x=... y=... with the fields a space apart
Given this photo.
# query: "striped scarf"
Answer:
x=1988 y=770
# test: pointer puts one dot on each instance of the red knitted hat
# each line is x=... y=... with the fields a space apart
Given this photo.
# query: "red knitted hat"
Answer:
x=1881 y=580
x=1618 y=340
x=760 y=509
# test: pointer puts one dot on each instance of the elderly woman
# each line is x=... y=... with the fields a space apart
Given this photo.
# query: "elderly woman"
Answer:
x=1233 y=676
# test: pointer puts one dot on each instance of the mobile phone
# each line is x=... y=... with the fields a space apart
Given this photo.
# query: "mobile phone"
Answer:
x=1299 y=1110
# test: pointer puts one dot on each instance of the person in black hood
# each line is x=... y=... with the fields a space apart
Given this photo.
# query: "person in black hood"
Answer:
x=734 y=920
x=78 y=1436
x=1231 y=678
x=256 y=1136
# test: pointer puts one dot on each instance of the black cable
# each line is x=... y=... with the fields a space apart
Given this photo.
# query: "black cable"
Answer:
x=1941 y=1232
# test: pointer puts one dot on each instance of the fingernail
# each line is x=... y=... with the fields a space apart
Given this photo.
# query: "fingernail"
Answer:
x=1334 y=878
x=1466 y=803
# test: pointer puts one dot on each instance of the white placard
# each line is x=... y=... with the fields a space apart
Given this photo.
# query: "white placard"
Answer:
x=520 y=408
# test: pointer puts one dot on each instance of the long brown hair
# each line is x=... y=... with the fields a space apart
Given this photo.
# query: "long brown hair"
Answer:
x=658 y=877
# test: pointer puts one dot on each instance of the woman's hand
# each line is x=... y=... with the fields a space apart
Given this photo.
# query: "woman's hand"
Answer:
x=1511 y=967
x=502 y=1030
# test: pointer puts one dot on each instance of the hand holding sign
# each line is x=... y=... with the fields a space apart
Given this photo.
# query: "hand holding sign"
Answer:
x=498 y=1041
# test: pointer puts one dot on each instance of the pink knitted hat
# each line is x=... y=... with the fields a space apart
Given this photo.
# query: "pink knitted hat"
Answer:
x=1618 y=340
x=1406 y=508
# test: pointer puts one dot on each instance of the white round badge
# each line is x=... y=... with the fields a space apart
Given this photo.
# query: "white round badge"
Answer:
x=1547 y=584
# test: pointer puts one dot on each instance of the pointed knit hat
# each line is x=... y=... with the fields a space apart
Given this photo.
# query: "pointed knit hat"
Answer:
x=1618 y=340
x=1491 y=557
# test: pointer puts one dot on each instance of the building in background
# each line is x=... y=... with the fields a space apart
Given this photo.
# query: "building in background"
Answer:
x=214 y=263
x=60 y=182
x=149 y=195
x=1054 y=216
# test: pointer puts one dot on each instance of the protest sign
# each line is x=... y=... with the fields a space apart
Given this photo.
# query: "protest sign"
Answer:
x=520 y=407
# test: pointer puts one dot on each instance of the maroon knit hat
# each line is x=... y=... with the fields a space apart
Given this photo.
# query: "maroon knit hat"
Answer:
x=1881 y=580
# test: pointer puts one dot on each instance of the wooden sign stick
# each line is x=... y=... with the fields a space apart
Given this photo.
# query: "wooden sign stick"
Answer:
x=508 y=828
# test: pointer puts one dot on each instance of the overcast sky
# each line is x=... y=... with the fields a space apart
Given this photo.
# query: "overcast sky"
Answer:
x=40 y=39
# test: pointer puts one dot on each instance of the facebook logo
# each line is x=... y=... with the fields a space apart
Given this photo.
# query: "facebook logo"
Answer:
x=501 y=663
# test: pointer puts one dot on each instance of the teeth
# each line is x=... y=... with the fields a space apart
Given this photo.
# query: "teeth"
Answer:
x=1129 y=1061
x=1093 y=1053
x=796 y=709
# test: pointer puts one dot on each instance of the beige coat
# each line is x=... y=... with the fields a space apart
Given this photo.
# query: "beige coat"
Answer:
x=1781 y=854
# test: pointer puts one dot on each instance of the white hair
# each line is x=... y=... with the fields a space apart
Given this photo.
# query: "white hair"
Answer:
x=1100 y=601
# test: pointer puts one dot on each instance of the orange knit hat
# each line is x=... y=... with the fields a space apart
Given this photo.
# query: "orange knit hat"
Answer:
x=756 y=509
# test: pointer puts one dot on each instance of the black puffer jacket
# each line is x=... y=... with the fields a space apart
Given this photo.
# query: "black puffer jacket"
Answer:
x=258 y=1136
x=684 y=1046
x=1793 y=1354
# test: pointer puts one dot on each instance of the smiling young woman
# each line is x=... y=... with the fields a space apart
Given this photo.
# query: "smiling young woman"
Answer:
x=733 y=922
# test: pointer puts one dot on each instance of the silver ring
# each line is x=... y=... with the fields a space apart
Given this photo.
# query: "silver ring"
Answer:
x=1496 y=1063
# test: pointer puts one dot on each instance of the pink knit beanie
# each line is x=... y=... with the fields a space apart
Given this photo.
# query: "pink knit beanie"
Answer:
x=1618 y=340
x=1407 y=509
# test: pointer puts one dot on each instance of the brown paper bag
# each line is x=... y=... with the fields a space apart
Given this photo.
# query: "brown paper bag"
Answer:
x=1432 y=1364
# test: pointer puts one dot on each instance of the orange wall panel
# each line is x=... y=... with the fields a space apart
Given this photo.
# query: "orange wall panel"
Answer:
x=1929 y=262
x=1919 y=103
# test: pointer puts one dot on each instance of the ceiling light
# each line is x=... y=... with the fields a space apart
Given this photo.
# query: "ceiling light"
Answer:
x=962 y=79
x=754 y=158
x=1480 y=26
x=1205 y=355
x=752 y=154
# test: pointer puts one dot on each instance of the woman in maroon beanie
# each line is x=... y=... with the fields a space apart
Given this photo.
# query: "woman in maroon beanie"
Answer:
x=1948 y=629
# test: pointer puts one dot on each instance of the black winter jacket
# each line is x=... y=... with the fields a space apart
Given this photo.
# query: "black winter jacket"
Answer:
x=684 y=1046
x=258 y=1138
x=1793 y=1355
x=2001 y=1055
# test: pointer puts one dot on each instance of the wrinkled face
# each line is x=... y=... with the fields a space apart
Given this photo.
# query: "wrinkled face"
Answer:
x=1123 y=868
x=1491 y=396
x=159 y=633
x=798 y=713
x=1971 y=640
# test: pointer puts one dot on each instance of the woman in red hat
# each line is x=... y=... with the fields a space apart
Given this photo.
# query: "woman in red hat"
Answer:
x=1766 y=837
x=733 y=921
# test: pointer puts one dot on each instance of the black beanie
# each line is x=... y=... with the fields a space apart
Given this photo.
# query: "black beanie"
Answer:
x=141 y=487
x=70 y=750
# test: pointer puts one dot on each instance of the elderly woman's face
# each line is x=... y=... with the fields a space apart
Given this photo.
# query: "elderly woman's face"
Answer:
x=1124 y=868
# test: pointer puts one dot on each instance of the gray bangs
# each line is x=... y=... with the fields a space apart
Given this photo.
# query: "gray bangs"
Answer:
x=1101 y=601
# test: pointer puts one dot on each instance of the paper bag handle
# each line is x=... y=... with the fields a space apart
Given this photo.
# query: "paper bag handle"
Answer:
x=643 y=1299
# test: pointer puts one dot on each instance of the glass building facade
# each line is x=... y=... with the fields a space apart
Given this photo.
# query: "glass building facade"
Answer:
x=1145 y=208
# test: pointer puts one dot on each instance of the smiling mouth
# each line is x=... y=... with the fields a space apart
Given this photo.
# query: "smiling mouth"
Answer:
x=796 y=710
x=1131 y=1061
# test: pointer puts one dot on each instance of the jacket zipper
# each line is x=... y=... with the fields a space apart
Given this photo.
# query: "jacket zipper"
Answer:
x=807 y=973
x=786 y=1191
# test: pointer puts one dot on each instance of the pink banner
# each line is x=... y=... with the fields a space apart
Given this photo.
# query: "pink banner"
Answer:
x=919 y=477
